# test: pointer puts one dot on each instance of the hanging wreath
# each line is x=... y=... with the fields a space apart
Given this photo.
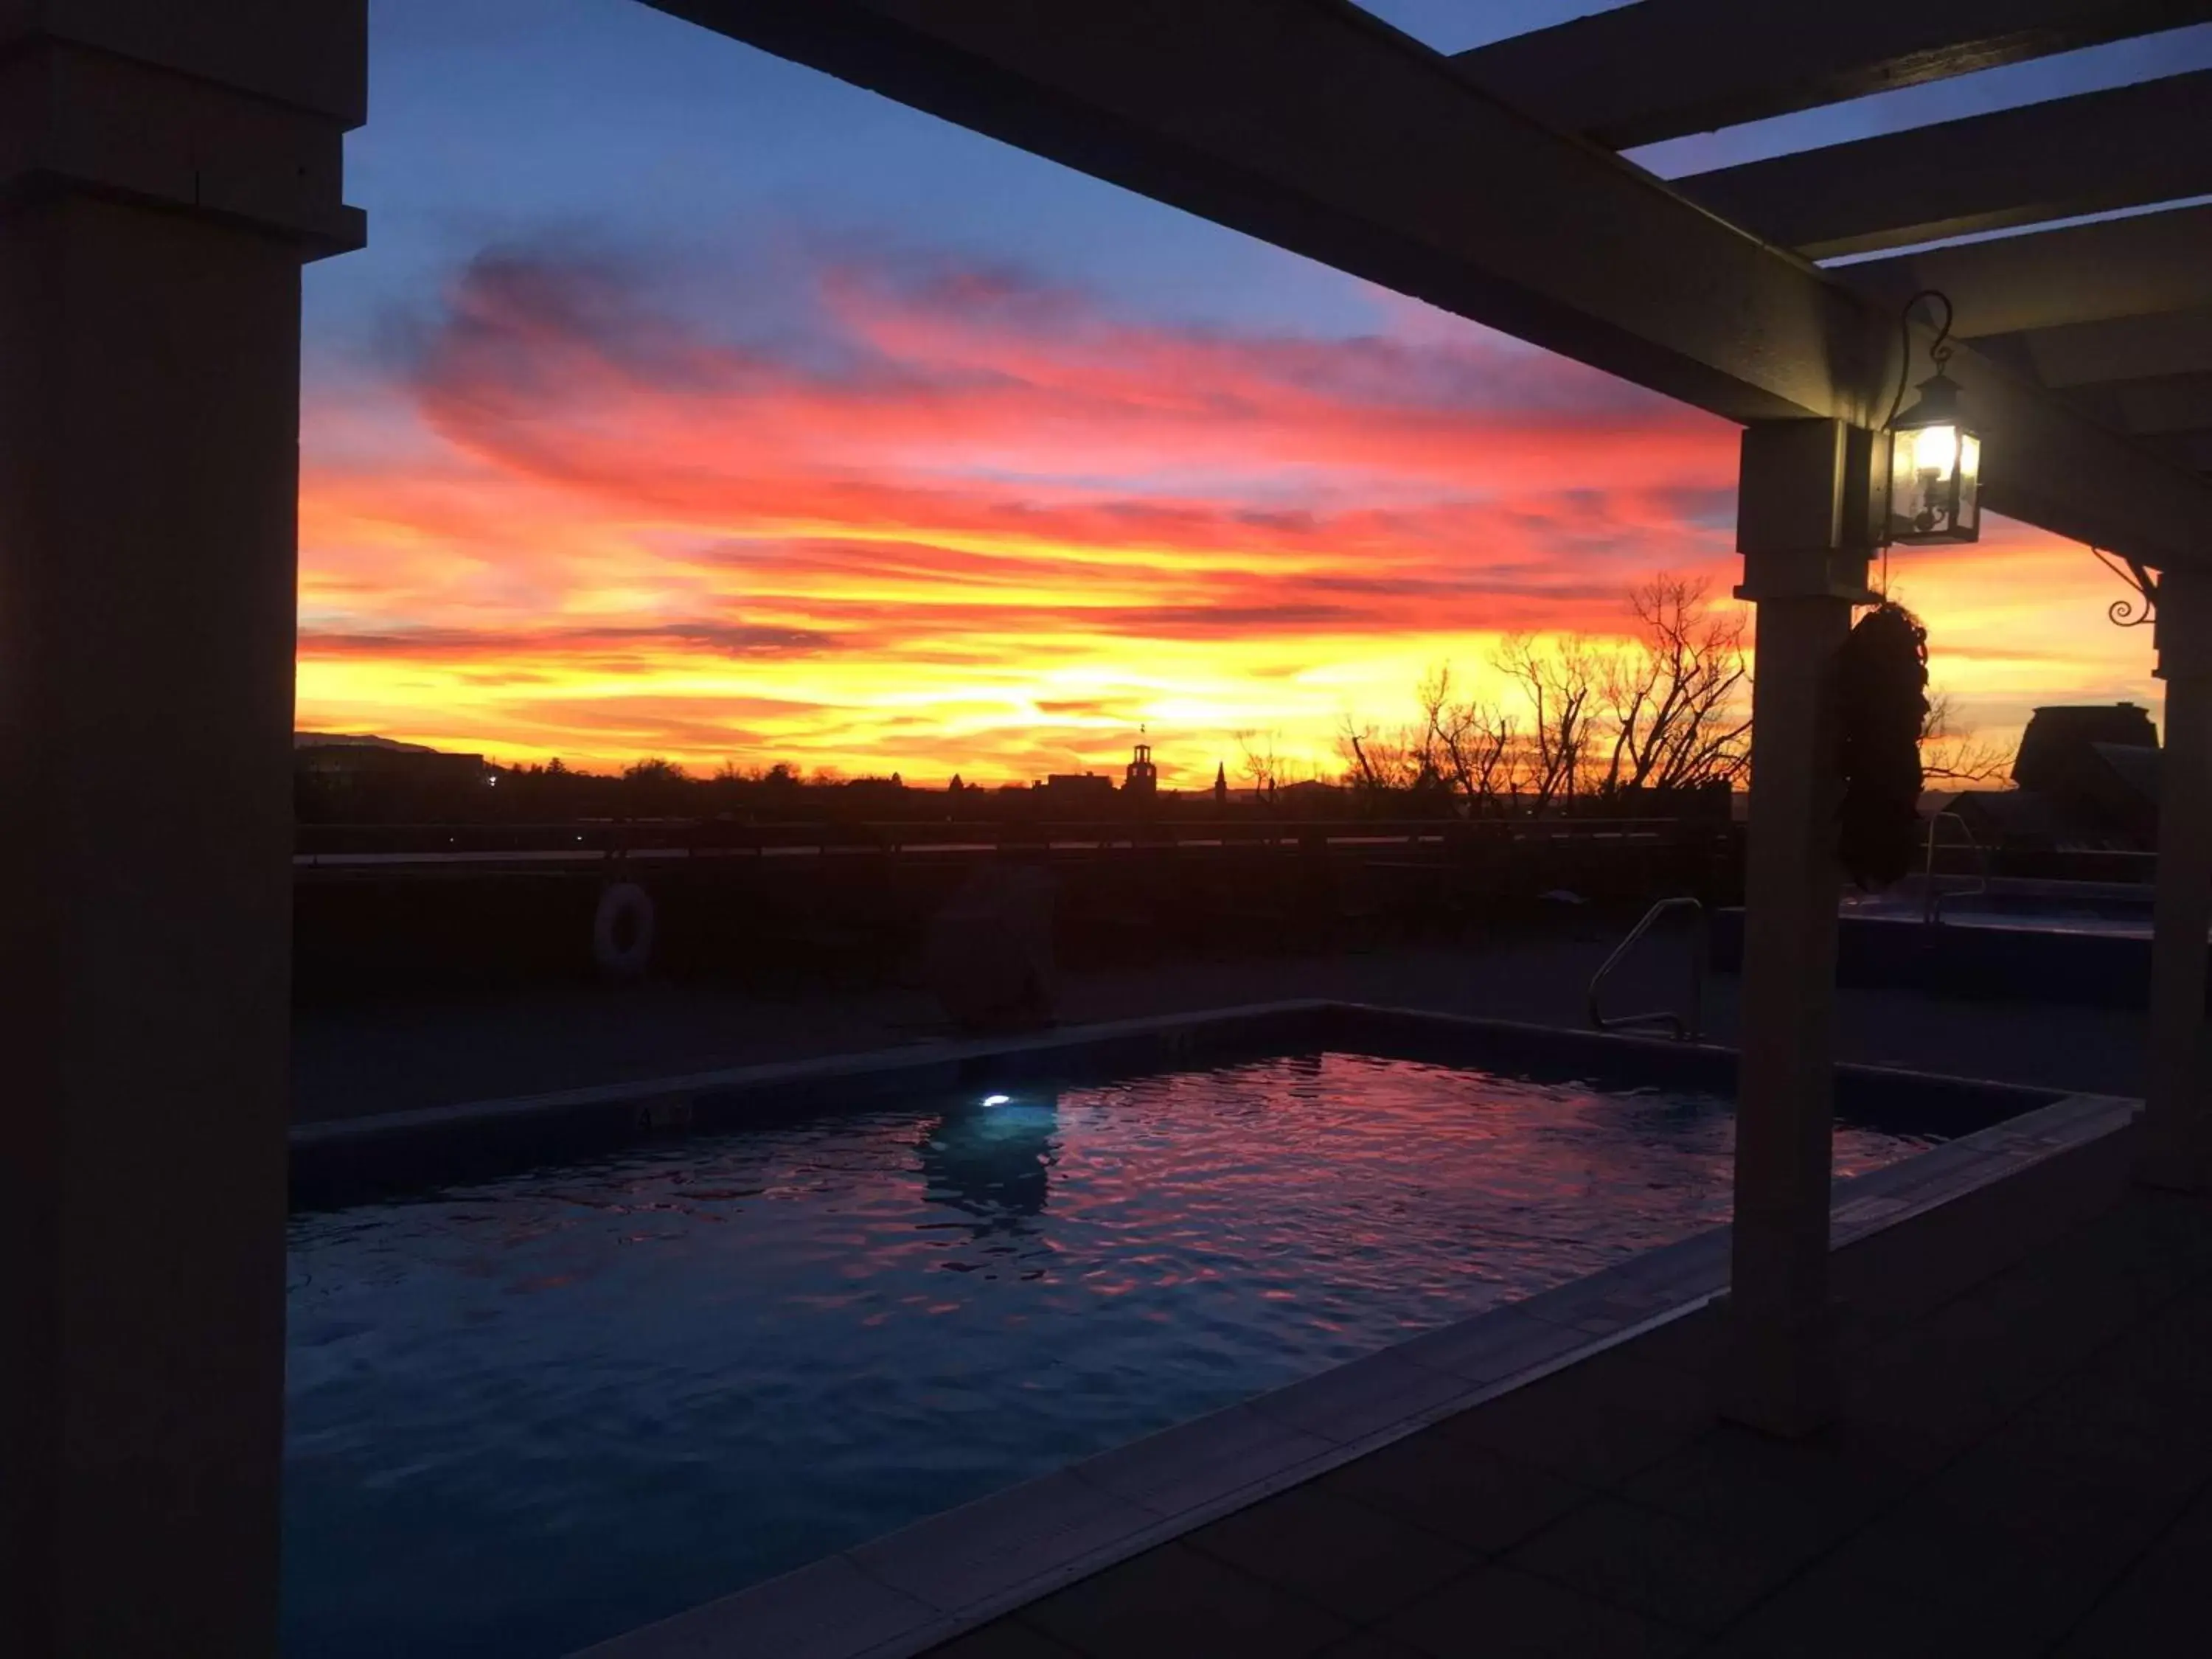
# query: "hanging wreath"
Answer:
x=1883 y=693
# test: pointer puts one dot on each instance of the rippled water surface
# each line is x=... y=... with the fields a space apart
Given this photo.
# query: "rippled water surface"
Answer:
x=530 y=1413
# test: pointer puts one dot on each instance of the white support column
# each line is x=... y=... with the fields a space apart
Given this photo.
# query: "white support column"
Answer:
x=164 y=169
x=2177 y=1138
x=1796 y=510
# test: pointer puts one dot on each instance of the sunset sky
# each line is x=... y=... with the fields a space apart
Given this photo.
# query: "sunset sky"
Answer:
x=687 y=403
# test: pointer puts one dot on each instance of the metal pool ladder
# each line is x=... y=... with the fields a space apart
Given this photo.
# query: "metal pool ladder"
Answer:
x=1688 y=1023
x=1931 y=900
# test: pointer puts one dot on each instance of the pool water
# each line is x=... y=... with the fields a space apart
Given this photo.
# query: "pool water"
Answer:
x=528 y=1414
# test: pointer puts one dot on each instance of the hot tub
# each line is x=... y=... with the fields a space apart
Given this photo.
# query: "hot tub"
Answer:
x=2049 y=941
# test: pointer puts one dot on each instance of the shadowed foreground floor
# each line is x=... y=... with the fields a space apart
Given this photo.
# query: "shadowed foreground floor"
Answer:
x=2023 y=1466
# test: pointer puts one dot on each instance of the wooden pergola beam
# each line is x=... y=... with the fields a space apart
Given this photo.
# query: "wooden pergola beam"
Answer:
x=2192 y=450
x=1312 y=125
x=2129 y=147
x=312 y=58
x=2132 y=267
x=1660 y=69
x=2041 y=449
x=2165 y=405
x=2123 y=348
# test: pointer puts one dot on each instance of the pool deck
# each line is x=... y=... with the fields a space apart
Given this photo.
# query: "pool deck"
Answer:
x=367 y=1059
x=2023 y=1464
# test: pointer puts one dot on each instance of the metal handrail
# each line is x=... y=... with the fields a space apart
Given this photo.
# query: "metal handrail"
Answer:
x=1931 y=900
x=1688 y=1024
x=689 y=834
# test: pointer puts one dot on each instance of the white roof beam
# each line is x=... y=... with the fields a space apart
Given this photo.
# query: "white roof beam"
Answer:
x=2133 y=267
x=1312 y=125
x=1664 y=68
x=2129 y=147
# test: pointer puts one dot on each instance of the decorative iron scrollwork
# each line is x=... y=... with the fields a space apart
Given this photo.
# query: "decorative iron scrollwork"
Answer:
x=2135 y=612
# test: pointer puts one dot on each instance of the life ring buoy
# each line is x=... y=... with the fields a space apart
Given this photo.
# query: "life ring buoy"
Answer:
x=622 y=931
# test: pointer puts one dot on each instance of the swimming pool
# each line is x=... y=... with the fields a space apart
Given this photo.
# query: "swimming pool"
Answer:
x=532 y=1412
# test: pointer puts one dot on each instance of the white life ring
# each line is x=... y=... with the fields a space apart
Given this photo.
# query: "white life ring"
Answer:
x=622 y=931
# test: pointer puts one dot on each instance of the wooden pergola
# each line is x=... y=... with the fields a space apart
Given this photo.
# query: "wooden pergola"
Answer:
x=165 y=169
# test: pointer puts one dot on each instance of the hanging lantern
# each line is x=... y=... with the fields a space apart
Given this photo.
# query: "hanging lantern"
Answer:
x=1934 y=459
x=1934 y=470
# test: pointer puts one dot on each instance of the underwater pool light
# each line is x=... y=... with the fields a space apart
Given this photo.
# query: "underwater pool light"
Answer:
x=996 y=1100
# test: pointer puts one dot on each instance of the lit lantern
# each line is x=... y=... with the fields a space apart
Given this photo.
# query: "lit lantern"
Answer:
x=1934 y=460
x=1934 y=470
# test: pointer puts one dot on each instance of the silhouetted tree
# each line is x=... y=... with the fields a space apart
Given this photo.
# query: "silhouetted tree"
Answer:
x=657 y=786
x=1260 y=762
x=1558 y=683
x=1676 y=700
x=1952 y=755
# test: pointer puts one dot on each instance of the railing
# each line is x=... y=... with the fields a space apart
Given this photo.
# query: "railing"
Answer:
x=593 y=840
x=1931 y=900
x=1688 y=1023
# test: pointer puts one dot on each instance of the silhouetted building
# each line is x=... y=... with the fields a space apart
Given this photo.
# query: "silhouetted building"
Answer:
x=2087 y=777
x=1221 y=785
x=1142 y=780
x=2060 y=751
x=339 y=777
x=1079 y=788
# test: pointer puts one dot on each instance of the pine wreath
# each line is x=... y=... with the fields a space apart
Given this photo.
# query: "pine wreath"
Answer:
x=1883 y=692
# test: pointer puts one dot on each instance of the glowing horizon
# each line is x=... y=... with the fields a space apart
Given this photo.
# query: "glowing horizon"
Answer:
x=928 y=514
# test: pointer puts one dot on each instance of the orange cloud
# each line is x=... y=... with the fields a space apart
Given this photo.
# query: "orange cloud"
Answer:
x=951 y=519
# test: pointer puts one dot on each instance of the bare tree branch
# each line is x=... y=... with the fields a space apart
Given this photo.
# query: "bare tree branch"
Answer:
x=1675 y=700
x=1258 y=763
x=1558 y=685
x=1952 y=754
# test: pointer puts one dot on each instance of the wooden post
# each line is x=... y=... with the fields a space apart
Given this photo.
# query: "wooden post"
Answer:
x=2177 y=1147
x=164 y=169
x=1795 y=514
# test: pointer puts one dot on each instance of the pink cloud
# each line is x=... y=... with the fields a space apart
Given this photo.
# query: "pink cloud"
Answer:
x=961 y=517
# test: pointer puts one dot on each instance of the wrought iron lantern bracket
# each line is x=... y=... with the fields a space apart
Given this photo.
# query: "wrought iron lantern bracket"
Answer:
x=2132 y=612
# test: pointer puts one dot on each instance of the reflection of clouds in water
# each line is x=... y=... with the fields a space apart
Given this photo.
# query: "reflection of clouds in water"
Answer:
x=993 y=1162
x=568 y=1402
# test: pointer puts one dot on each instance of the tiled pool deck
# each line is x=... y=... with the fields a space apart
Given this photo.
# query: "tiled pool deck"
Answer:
x=2022 y=1462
